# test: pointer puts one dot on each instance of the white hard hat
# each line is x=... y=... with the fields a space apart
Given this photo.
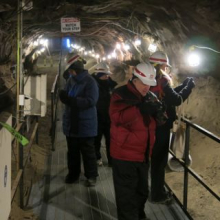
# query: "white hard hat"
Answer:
x=103 y=68
x=159 y=57
x=73 y=58
x=146 y=73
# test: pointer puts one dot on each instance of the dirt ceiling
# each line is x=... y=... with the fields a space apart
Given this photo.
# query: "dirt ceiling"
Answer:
x=173 y=25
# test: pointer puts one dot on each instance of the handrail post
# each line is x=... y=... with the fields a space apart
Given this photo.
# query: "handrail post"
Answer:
x=52 y=119
x=186 y=159
x=37 y=133
x=21 y=167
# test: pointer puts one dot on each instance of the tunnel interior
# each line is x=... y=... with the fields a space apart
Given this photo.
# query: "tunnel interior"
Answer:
x=124 y=33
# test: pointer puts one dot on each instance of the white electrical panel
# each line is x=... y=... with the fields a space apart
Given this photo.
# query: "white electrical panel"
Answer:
x=5 y=167
x=35 y=93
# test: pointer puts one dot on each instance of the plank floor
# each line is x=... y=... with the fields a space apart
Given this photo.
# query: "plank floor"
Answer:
x=52 y=199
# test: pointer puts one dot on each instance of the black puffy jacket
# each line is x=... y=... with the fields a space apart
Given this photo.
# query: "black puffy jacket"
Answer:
x=105 y=88
x=171 y=97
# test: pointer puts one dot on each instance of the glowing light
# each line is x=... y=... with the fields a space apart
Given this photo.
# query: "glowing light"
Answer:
x=35 y=43
x=44 y=42
x=118 y=46
x=104 y=58
x=109 y=56
x=152 y=48
x=81 y=49
x=137 y=42
x=193 y=59
x=43 y=49
x=126 y=47
x=68 y=43
x=97 y=56
x=114 y=55
x=85 y=53
x=75 y=46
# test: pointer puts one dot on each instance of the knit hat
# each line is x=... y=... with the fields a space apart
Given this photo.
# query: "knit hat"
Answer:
x=75 y=62
x=77 y=65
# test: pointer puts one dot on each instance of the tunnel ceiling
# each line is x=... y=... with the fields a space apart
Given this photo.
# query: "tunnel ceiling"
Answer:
x=173 y=25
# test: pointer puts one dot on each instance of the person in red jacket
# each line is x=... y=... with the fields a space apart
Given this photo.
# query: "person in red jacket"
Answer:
x=133 y=125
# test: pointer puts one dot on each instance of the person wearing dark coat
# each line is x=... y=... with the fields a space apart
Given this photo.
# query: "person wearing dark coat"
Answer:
x=106 y=85
x=170 y=97
x=80 y=121
x=132 y=140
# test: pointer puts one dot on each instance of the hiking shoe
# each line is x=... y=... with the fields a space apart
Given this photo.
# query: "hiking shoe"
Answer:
x=166 y=200
x=99 y=162
x=145 y=218
x=71 y=179
x=91 y=182
x=142 y=216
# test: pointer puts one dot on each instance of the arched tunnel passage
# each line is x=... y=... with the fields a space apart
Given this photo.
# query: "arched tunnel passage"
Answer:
x=109 y=31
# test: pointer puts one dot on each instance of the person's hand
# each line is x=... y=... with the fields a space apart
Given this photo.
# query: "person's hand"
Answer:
x=154 y=109
x=64 y=97
x=66 y=74
x=191 y=83
x=185 y=82
x=161 y=116
x=151 y=97
x=150 y=107
x=67 y=100
x=146 y=108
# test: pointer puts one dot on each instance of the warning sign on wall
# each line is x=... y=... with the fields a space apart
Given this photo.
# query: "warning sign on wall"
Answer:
x=70 y=25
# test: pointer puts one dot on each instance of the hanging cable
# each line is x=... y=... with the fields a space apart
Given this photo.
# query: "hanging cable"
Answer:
x=15 y=12
x=207 y=48
x=85 y=35
x=7 y=90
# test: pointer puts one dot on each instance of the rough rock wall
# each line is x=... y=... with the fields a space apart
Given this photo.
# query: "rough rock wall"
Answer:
x=202 y=107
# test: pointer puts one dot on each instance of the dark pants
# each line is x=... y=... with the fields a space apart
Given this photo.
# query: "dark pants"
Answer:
x=103 y=129
x=159 y=161
x=84 y=146
x=131 y=188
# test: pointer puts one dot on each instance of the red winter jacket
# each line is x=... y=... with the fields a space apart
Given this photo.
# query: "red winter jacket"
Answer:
x=131 y=133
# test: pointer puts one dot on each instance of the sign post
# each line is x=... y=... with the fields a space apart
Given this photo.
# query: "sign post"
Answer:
x=70 y=25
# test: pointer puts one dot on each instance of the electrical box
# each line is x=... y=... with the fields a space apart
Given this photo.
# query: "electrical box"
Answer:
x=35 y=95
x=5 y=167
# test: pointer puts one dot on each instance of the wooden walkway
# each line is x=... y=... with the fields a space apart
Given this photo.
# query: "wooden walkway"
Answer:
x=52 y=199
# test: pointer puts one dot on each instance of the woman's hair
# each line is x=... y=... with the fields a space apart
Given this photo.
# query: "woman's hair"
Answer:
x=133 y=77
x=167 y=76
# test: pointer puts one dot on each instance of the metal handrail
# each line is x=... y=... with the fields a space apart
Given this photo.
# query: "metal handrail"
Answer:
x=188 y=170
x=202 y=130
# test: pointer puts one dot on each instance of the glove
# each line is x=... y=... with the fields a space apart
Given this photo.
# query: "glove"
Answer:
x=150 y=104
x=161 y=116
x=67 y=100
x=154 y=109
x=185 y=82
x=64 y=97
x=191 y=84
x=151 y=97
x=66 y=74
x=147 y=108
